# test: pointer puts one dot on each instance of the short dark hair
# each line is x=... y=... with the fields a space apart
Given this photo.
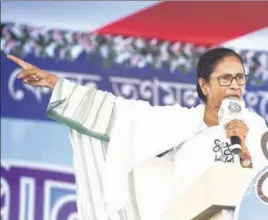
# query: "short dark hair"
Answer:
x=208 y=62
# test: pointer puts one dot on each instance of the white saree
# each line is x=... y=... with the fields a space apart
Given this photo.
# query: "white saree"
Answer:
x=115 y=146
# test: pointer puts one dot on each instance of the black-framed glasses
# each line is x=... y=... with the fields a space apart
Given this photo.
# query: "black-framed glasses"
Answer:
x=227 y=79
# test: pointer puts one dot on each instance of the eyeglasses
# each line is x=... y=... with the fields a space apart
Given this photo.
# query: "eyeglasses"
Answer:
x=227 y=79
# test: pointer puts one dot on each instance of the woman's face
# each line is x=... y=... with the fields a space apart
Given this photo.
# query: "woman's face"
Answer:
x=219 y=86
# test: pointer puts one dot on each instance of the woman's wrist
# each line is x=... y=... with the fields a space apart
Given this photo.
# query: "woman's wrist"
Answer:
x=246 y=163
x=245 y=158
x=52 y=81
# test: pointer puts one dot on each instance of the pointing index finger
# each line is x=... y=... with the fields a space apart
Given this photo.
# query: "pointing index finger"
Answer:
x=20 y=62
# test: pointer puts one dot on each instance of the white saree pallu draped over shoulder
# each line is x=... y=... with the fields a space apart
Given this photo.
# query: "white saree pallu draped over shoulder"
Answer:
x=116 y=143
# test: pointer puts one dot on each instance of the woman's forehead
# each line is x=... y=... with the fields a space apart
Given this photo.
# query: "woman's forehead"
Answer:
x=229 y=65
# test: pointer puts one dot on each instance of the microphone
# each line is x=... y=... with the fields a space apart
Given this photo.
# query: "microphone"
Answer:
x=231 y=109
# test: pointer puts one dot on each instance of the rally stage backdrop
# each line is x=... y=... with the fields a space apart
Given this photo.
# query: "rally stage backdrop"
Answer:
x=37 y=182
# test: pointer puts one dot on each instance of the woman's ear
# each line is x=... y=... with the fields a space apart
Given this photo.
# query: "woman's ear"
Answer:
x=203 y=86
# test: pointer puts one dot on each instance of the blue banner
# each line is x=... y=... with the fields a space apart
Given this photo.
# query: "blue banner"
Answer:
x=158 y=86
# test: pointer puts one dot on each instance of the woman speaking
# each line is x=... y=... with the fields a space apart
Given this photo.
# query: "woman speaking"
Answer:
x=147 y=153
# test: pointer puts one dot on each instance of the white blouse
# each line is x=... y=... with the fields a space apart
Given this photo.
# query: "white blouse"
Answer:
x=196 y=155
x=158 y=180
